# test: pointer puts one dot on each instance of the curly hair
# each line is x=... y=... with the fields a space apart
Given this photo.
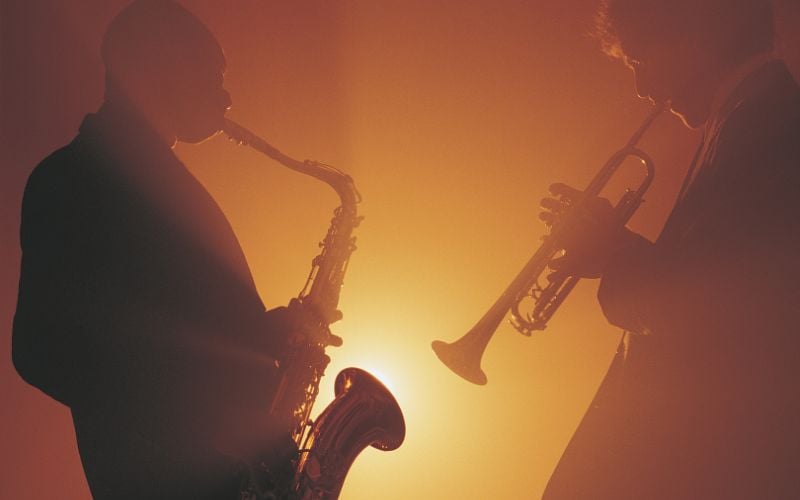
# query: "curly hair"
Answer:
x=740 y=28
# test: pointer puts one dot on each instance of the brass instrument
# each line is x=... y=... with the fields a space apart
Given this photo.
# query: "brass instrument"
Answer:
x=364 y=412
x=464 y=355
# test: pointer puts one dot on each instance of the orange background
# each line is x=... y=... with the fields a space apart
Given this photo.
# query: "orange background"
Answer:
x=453 y=117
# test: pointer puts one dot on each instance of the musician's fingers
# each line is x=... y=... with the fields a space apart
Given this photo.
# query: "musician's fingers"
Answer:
x=556 y=263
x=556 y=274
x=335 y=340
x=567 y=193
x=553 y=205
x=572 y=265
x=600 y=206
x=561 y=267
x=548 y=218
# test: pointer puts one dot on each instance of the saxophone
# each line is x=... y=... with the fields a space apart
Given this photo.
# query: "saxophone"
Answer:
x=364 y=412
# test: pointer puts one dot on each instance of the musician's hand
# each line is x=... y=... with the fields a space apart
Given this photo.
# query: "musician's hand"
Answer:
x=299 y=324
x=589 y=234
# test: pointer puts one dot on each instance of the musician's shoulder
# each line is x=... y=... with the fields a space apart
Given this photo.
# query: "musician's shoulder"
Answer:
x=62 y=177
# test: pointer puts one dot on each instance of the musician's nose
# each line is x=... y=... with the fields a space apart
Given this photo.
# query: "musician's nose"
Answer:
x=647 y=86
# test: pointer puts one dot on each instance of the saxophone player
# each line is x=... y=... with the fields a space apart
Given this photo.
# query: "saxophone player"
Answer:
x=703 y=401
x=136 y=306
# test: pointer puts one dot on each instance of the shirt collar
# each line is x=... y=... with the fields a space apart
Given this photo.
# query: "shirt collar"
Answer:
x=121 y=132
x=728 y=88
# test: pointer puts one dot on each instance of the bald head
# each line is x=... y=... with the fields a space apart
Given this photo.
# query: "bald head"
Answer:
x=153 y=36
x=167 y=63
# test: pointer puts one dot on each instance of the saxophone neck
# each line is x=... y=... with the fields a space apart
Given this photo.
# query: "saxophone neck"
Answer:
x=341 y=182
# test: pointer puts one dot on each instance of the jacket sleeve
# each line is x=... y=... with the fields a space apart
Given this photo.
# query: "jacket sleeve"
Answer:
x=733 y=266
x=96 y=319
x=47 y=348
x=623 y=281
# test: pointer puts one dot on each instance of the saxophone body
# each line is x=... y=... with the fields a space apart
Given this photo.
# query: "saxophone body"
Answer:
x=364 y=412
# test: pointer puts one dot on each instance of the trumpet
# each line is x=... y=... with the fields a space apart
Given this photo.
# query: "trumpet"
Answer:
x=463 y=356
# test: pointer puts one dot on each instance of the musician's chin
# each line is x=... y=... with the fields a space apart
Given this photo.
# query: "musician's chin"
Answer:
x=201 y=130
x=199 y=137
x=693 y=119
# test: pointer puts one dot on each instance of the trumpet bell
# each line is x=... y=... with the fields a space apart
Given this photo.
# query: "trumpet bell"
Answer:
x=461 y=360
x=464 y=355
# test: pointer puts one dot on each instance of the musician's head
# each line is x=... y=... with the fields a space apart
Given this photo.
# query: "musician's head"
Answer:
x=682 y=50
x=163 y=60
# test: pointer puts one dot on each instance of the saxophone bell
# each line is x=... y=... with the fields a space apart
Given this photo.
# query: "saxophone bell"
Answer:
x=344 y=429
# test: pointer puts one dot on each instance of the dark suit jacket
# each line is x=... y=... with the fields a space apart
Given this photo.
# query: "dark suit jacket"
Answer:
x=705 y=403
x=137 y=309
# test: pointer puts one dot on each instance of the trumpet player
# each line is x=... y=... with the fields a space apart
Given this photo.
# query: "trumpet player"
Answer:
x=136 y=306
x=703 y=400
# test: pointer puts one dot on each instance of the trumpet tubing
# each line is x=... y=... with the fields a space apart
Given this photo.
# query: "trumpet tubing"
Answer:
x=464 y=355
